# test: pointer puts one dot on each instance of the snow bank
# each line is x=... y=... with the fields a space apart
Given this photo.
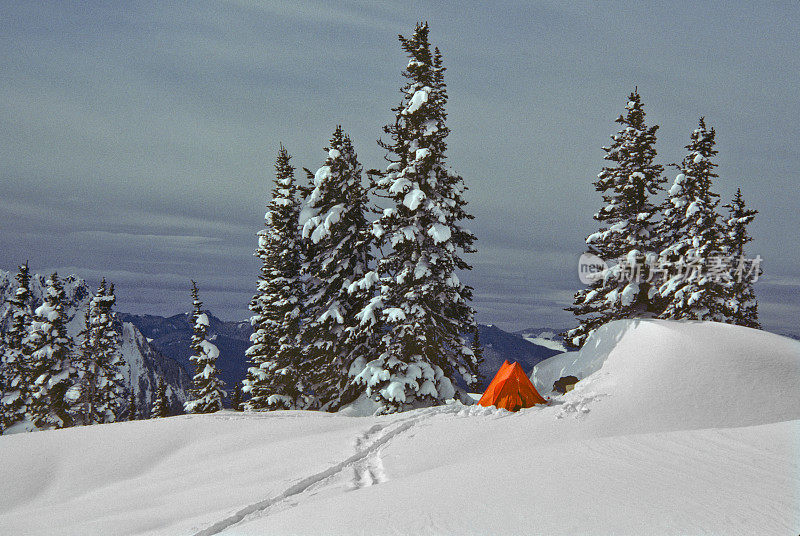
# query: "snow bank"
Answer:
x=656 y=375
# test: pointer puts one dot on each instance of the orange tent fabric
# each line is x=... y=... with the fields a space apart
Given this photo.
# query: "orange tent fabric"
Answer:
x=511 y=389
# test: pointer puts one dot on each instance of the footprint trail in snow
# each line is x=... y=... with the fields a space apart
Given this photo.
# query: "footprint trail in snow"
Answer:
x=366 y=464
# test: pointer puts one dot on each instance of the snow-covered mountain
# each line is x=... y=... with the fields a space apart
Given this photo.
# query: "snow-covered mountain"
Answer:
x=547 y=337
x=644 y=444
x=143 y=363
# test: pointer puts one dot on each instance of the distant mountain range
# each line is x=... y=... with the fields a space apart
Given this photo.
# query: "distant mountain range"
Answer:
x=172 y=336
x=547 y=337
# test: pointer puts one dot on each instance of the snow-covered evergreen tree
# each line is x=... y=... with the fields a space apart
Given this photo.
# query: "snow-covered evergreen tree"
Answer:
x=206 y=394
x=741 y=307
x=236 y=398
x=160 y=406
x=84 y=361
x=423 y=305
x=697 y=282
x=477 y=351
x=628 y=233
x=274 y=382
x=102 y=383
x=15 y=380
x=55 y=388
x=337 y=240
x=132 y=410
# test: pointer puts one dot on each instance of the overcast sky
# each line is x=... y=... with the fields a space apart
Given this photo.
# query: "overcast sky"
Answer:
x=137 y=140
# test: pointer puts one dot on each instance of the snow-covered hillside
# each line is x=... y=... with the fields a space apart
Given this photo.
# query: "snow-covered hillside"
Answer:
x=674 y=428
x=143 y=364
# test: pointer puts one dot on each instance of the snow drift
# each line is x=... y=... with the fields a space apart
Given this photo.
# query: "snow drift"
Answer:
x=656 y=375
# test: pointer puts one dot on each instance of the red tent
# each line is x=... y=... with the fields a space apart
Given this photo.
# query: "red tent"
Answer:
x=511 y=389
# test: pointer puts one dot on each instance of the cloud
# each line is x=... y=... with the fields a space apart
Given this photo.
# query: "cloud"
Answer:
x=140 y=138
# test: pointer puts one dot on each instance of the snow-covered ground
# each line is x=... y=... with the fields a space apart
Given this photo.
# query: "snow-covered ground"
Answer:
x=673 y=429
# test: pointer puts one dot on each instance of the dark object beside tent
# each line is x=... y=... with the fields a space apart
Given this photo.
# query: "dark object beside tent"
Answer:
x=564 y=384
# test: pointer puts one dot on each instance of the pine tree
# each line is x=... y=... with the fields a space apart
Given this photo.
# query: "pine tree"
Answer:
x=423 y=305
x=85 y=362
x=477 y=351
x=206 y=393
x=161 y=402
x=55 y=387
x=132 y=411
x=697 y=281
x=337 y=241
x=236 y=398
x=102 y=383
x=15 y=374
x=741 y=307
x=628 y=232
x=274 y=381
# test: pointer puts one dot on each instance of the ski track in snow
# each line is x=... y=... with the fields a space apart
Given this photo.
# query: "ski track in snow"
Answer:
x=369 y=470
x=366 y=463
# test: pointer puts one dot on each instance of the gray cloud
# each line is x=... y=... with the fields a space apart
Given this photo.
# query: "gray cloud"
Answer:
x=138 y=140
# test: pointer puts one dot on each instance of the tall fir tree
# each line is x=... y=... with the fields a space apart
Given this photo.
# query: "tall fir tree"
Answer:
x=15 y=374
x=102 y=383
x=628 y=233
x=236 y=398
x=206 y=393
x=697 y=282
x=84 y=361
x=133 y=412
x=337 y=242
x=741 y=307
x=274 y=381
x=477 y=351
x=160 y=406
x=423 y=305
x=55 y=383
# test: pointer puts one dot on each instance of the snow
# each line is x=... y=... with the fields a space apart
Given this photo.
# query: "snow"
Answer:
x=692 y=209
x=674 y=428
x=394 y=314
x=430 y=127
x=400 y=184
x=419 y=98
x=413 y=198
x=629 y=293
x=210 y=351
x=202 y=320
x=546 y=342
x=322 y=175
x=440 y=233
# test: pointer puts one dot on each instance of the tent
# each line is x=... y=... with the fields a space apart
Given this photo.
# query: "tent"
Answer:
x=511 y=389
